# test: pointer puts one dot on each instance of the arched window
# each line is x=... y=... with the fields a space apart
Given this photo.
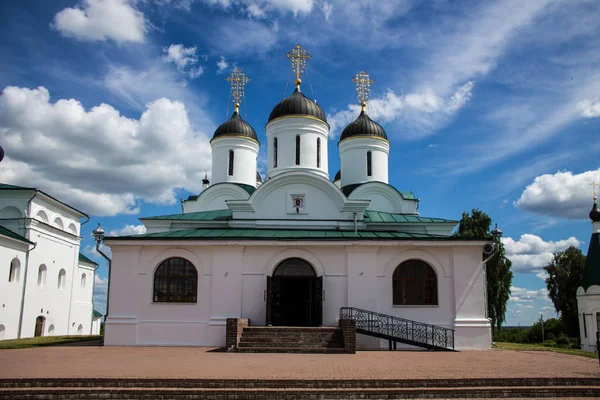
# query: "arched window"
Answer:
x=297 y=149
x=62 y=277
x=318 y=152
x=176 y=280
x=369 y=164
x=51 y=330
x=230 y=162
x=83 y=278
x=414 y=283
x=15 y=270
x=80 y=329
x=42 y=275
x=274 y=152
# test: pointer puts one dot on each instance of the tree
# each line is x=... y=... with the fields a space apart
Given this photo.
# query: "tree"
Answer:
x=498 y=273
x=564 y=277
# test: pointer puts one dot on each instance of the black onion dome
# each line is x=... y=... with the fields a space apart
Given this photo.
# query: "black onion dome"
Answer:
x=297 y=104
x=338 y=176
x=258 y=177
x=363 y=126
x=595 y=213
x=236 y=126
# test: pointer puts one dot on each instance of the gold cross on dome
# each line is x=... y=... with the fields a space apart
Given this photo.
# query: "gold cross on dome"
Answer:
x=238 y=81
x=593 y=185
x=363 y=88
x=298 y=55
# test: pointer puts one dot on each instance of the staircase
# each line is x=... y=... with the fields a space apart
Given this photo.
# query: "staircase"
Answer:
x=283 y=339
x=396 y=329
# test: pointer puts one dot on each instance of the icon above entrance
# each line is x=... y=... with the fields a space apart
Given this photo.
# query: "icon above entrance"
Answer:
x=294 y=295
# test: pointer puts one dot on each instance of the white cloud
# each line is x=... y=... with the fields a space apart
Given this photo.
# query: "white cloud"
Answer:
x=589 y=109
x=100 y=20
x=91 y=251
x=184 y=58
x=421 y=112
x=98 y=160
x=222 y=65
x=100 y=294
x=531 y=253
x=259 y=8
x=128 y=230
x=562 y=194
x=521 y=295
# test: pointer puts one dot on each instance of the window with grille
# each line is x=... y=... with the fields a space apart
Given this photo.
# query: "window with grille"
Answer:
x=318 y=152
x=369 y=167
x=230 y=162
x=275 y=153
x=176 y=280
x=297 y=150
x=414 y=283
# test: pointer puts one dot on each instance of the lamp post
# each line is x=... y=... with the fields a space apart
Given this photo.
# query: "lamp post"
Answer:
x=99 y=236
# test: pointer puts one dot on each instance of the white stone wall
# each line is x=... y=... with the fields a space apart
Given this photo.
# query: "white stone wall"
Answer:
x=353 y=160
x=232 y=281
x=244 y=165
x=588 y=305
x=11 y=251
x=286 y=130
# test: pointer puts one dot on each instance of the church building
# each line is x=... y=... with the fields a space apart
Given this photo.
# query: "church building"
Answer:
x=296 y=247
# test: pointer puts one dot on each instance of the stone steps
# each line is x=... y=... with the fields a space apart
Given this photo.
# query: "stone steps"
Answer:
x=177 y=393
x=291 y=340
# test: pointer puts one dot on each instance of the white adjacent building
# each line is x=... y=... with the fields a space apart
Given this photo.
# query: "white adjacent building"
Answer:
x=296 y=248
x=46 y=284
x=588 y=294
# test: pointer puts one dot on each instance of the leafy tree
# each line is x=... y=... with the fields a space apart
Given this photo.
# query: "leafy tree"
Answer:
x=564 y=277
x=499 y=276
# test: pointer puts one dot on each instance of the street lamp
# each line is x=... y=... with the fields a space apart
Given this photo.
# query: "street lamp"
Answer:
x=99 y=236
x=496 y=234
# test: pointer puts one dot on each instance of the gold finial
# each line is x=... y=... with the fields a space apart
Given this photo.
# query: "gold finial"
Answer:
x=238 y=82
x=363 y=88
x=593 y=185
x=298 y=55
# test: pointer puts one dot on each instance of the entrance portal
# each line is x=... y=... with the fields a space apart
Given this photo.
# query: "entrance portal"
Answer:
x=294 y=295
x=39 y=326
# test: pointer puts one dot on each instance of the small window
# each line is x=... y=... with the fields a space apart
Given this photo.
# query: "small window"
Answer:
x=51 y=330
x=275 y=153
x=42 y=275
x=584 y=325
x=15 y=270
x=80 y=329
x=297 y=149
x=176 y=280
x=369 y=167
x=318 y=152
x=230 y=162
x=83 y=279
x=62 y=275
x=414 y=283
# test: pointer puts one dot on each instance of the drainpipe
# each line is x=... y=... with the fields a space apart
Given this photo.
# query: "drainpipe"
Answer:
x=22 y=308
x=99 y=236
x=355 y=223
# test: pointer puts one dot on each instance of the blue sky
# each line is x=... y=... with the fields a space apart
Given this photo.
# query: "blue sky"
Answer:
x=109 y=105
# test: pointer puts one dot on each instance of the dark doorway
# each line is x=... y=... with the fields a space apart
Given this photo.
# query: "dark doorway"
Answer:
x=294 y=295
x=39 y=326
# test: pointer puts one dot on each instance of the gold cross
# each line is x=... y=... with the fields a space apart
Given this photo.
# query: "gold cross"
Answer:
x=593 y=185
x=238 y=82
x=363 y=88
x=298 y=55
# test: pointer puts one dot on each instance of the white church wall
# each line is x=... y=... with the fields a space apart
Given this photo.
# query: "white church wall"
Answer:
x=11 y=287
x=82 y=307
x=588 y=305
x=214 y=198
x=353 y=160
x=384 y=198
x=286 y=130
x=244 y=160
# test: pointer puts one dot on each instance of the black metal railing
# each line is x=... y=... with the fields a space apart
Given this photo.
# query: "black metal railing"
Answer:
x=397 y=329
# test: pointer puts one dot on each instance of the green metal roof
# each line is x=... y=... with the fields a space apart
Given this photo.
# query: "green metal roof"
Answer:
x=348 y=189
x=374 y=217
x=7 y=232
x=215 y=215
x=97 y=314
x=83 y=258
x=13 y=187
x=591 y=271
x=282 y=234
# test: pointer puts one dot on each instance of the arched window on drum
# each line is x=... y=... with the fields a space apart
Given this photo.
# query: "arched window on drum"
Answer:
x=175 y=281
x=414 y=282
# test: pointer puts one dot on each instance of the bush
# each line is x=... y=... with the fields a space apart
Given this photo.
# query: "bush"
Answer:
x=563 y=341
x=549 y=343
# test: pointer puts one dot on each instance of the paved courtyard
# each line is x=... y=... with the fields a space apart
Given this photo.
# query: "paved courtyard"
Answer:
x=181 y=362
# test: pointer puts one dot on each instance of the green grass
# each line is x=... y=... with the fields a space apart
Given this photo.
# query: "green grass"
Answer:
x=44 y=341
x=540 y=347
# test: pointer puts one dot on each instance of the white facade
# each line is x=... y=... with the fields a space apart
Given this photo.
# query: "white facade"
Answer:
x=355 y=155
x=239 y=169
x=588 y=301
x=52 y=294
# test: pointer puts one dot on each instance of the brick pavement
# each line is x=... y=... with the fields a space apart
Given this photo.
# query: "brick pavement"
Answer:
x=194 y=362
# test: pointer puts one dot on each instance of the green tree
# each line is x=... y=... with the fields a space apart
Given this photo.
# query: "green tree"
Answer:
x=564 y=277
x=476 y=225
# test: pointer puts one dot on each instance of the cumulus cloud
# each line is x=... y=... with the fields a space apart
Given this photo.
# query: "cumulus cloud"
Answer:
x=128 y=230
x=184 y=58
x=100 y=294
x=98 y=160
x=101 y=20
x=589 y=109
x=531 y=253
x=421 y=112
x=222 y=65
x=259 y=8
x=562 y=194
x=522 y=295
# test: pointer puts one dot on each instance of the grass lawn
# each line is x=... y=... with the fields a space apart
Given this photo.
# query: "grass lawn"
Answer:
x=44 y=341
x=540 y=347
